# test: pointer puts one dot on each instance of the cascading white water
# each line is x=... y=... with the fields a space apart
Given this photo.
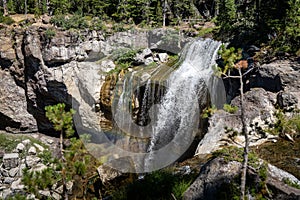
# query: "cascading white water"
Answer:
x=175 y=120
x=178 y=113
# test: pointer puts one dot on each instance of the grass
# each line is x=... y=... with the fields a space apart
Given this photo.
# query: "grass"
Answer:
x=283 y=154
x=291 y=183
x=236 y=154
x=8 y=142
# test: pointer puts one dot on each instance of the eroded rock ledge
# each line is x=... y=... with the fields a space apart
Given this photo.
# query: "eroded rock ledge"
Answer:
x=38 y=70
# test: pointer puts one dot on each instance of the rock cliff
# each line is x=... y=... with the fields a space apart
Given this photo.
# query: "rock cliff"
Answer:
x=38 y=69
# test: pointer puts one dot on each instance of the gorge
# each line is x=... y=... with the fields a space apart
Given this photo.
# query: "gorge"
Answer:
x=155 y=110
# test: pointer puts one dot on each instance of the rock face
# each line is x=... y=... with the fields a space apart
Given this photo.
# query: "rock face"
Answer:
x=37 y=71
x=13 y=113
x=273 y=84
x=218 y=179
x=277 y=76
x=223 y=126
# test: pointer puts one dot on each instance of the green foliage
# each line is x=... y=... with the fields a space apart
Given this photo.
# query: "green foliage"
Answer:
x=229 y=108
x=77 y=157
x=69 y=22
x=97 y=24
x=291 y=183
x=50 y=33
x=17 y=197
x=39 y=180
x=46 y=157
x=123 y=58
x=209 y=111
x=229 y=56
x=263 y=172
x=286 y=125
x=8 y=142
x=124 y=55
x=236 y=154
x=227 y=16
x=180 y=187
x=6 y=20
x=62 y=120
x=206 y=31
x=292 y=28
x=156 y=185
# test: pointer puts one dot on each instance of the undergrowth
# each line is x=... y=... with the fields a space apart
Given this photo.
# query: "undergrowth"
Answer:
x=158 y=185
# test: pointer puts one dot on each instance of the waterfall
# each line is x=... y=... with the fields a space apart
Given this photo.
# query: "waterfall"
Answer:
x=175 y=118
x=178 y=114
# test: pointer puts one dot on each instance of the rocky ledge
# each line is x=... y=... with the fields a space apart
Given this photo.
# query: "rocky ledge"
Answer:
x=39 y=70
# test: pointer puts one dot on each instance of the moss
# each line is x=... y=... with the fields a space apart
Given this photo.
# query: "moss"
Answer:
x=230 y=109
x=291 y=183
x=236 y=154
x=282 y=154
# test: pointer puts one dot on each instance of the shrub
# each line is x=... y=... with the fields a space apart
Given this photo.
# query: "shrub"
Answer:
x=230 y=109
x=209 y=111
x=286 y=125
x=6 y=20
x=50 y=33
x=124 y=55
x=69 y=22
x=236 y=154
x=35 y=181
x=180 y=187
x=162 y=184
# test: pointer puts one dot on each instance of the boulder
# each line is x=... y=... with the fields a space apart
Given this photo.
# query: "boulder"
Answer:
x=163 y=57
x=107 y=174
x=8 y=180
x=286 y=100
x=13 y=111
x=224 y=127
x=45 y=193
x=149 y=60
x=13 y=172
x=20 y=147
x=10 y=160
x=26 y=142
x=32 y=151
x=46 y=19
x=218 y=178
x=39 y=147
x=31 y=161
x=277 y=76
x=17 y=185
x=213 y=178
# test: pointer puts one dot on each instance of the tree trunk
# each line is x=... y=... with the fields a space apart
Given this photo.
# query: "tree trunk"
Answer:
x=63 y=170
x=257 y=2
x=164 y=13
x=5 y=11
x=25 y=8
x=244 y=131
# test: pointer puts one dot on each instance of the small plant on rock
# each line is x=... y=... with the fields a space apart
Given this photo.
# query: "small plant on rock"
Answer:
x=63 y=122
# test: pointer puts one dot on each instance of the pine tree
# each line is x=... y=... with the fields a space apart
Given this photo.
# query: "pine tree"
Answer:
x=292 y=29
x=60 y=6
x=227 y=16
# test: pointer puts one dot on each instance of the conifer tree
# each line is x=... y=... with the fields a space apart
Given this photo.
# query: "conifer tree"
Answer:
x=227 y=16
x=292 y=29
